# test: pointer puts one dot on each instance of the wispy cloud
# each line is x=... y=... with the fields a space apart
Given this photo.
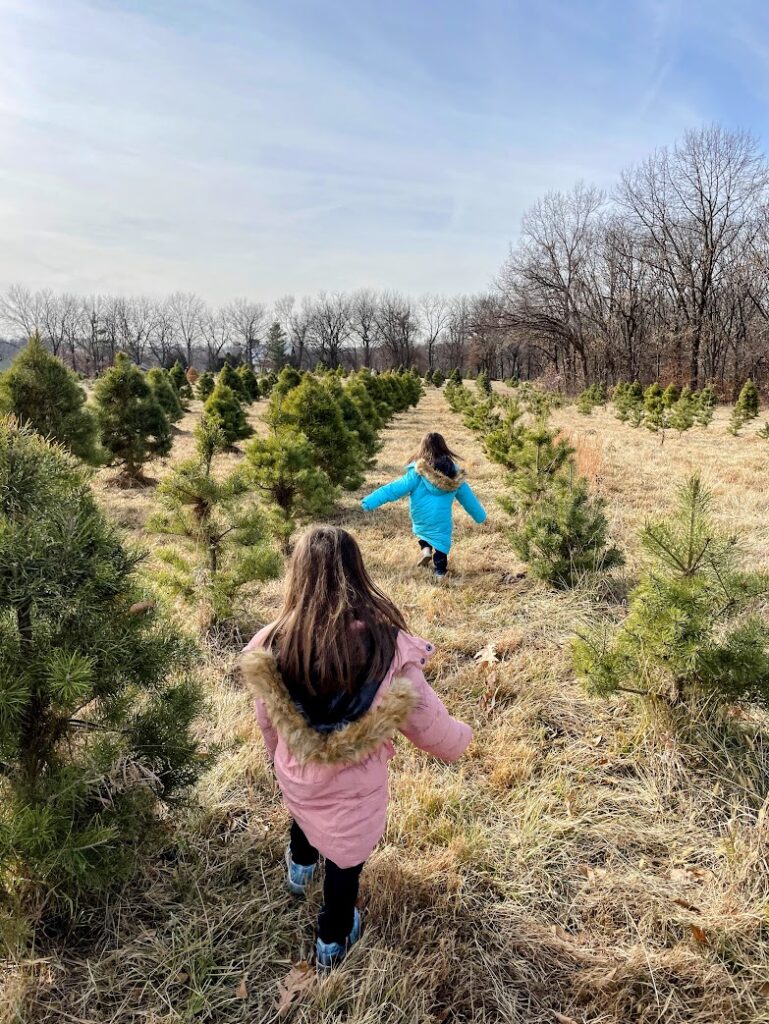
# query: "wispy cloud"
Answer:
x=248 y=147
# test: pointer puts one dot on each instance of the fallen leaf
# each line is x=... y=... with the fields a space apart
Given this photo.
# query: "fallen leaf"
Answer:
x=699 y=935
x=241 y=992
x=181 y=978
x=687 y=906
x=294 y=985
x=487 y=655
x=764 y=989
x=561 y=1018
x=586 y=871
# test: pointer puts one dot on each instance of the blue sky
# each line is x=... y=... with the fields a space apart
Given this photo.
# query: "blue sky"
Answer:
x=250 y=148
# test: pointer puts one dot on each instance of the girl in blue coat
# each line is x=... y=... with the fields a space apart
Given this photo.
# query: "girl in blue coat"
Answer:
x=432 y=481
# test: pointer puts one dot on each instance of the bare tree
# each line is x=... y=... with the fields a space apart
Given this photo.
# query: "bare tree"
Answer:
x=330 y=327
x=216 y=336
x=246 y=321
x=188 y=311
x=434 y=314
x=364 y=305
x=22 y=310
x=164 y=339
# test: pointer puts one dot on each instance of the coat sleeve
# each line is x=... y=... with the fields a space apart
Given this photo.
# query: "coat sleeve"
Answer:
x=429 y=726
x=391 y=492
x=467 y=499
x=268 y=729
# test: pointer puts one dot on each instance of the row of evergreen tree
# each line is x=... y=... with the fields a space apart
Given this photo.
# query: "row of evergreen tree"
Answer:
x=559 y=527
x=98 y=692
x=695 y=640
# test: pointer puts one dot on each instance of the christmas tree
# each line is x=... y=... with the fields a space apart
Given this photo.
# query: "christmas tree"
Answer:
x=694 y=627
x=682 y=414
x=277 y=357
x=166 y=394
x=288 y=378
x=205 y=385
x=311 y=409
x=282 y=467
x=96 y=702
x=249 y=383
x=655 y=410
x=133 y=425
x=223 y=536
x=42 y=392
x=231 y=379
x=223 y=410
x=705 y=405
x=438 y=379
x=455 y=376
x=670 y=395
x=180 y=382
x=483 y=383
x=746 y=408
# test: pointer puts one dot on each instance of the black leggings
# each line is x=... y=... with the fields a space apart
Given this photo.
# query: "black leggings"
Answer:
x=340 y=890
x=440 y=560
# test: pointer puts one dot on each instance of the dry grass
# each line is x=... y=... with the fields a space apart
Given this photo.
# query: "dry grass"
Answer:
x=574 y=866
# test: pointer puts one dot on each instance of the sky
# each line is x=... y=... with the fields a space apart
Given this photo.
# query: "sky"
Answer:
x=250 y=148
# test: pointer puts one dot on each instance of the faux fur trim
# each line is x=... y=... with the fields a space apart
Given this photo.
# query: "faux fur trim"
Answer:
x=443 y=483
x=347 y=745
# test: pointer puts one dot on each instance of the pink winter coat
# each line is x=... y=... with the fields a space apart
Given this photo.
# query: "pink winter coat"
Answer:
x=335 y=784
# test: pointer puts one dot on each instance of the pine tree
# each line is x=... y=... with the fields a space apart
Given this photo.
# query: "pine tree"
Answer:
x=682 y=414
x=365 y=430
x=133 y=425
x=180 y=382
x=504 y=442
x=230 y=378
x=705 y=405
x=312 y=410
x=248 y=382
x=96 y=702
x=746 y=408
x=277 y=356
x=670 y=395
x=456 y=376
x=564 y=535
x=360 y=394
x=483 y=383
x=694 y=628
x=205 y=385
x=288 y=379
x=283 y=468
x=223 y=410
x=629 y=402
x=585 y=403
x=166 y=394
x=655 y=411
x=438 y=379
x=42 y=392
x=224 y=536
x=266 y=383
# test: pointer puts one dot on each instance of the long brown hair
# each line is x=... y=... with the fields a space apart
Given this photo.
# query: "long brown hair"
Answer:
x=327 y=590
x=431 y=448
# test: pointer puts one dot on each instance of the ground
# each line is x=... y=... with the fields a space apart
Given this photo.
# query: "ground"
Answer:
x=579 y=864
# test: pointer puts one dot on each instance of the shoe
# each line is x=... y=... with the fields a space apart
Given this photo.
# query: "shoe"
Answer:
x=298 y=876
x=425 y=558
x=331 y=954
x=440 y=576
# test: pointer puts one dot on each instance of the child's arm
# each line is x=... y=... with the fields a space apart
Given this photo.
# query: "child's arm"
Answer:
x=391 y=492
x=467 y=499
x=430 y=727
x=268 y=729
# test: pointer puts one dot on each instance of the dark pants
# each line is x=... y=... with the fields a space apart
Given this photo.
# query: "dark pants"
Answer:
x=340 y=890
x=440 y=560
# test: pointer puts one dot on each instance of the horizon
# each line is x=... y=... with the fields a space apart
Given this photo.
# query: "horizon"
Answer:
x=235 y=149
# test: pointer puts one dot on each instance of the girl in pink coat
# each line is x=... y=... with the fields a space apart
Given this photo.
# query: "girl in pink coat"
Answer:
x=335 y=677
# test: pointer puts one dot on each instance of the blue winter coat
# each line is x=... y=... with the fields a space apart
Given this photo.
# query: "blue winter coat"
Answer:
x=431 y=497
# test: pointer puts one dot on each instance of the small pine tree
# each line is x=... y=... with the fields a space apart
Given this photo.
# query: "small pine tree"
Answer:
x=205 y=385
x=224 y=537
x=312 y=409
x=223 y=410
x=694 y=628
x=503 y=444
x=42 y=392
x=670 y=395
x=585 y=402
x=564 y=535
x=180 y=382
x=230 y=378
x=655 y=410
x=277 y=356
x=456 y=376
x=483 y=383
x=438 y=379
x=288 y=379
x=248 y=383
x=96 y=699
x=166 y=394
x=133 y=425
x=748 y=402
x=705 y=405
x=681 y=415
x=283 y=468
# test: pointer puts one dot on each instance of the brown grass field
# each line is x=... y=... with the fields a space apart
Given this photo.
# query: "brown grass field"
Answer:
x=580 y=864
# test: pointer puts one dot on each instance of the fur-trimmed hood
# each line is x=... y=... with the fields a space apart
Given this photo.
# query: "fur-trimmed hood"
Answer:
x=440 y=480
x=347 y=745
